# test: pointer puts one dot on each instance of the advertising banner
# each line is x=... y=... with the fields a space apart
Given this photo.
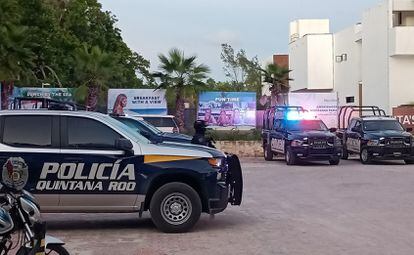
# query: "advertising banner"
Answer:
x=405 y=115
x=223 y=109
x=60 y=94
x=141 y=101
x=323 y=105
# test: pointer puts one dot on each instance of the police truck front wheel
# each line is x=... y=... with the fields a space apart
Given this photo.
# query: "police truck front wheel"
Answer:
x=267 y=152
x=334 y=161
x=175 y=207
x=365 y=156
x=290 y=157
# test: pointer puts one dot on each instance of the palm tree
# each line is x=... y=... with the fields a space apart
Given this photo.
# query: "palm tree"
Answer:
x=181 y=74
x=94 y=68
x=278 y=77
x=16 y=58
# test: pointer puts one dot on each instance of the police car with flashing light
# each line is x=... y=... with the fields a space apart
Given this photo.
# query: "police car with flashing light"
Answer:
x=90 y=162
x=289 y=131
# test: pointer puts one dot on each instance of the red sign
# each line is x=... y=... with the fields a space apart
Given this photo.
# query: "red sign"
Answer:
x=405 y=115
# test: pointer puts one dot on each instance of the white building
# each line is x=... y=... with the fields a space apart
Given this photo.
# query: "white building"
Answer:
x=370 y=63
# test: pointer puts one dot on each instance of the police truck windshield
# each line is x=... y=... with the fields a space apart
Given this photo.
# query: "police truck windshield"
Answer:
x=306 y=125
x=378 y=125
x=127 y=130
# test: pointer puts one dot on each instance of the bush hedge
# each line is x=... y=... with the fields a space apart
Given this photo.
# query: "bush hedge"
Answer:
x=235 y=135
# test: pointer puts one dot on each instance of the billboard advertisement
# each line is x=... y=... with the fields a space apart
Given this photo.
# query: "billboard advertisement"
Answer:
x=323 y=105
x=405 y=115
x=222 y=109
x=139 y=101
x=60 y=94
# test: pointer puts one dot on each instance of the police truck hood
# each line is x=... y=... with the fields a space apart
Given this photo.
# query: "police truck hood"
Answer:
x=178 y=149
x=388 y=133
x=214 y=152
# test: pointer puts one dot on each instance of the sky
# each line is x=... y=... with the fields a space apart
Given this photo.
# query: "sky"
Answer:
x=199 y=27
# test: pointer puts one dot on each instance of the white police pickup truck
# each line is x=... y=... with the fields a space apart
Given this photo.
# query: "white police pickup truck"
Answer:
x=90 y=162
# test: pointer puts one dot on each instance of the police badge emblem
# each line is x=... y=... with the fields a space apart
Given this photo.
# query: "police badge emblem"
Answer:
x=15 y=173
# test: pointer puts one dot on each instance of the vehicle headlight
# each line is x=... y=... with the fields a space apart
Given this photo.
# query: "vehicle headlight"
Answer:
x=337 y=141
x=376 y=142
x=297 y=143
x=31 y=210
x=216 y=162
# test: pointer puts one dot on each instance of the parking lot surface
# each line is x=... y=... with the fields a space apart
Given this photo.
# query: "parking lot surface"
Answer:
x=307 y=209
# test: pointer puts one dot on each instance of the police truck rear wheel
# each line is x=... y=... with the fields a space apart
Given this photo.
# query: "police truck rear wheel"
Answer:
x=175 y=207
x=267 y=152
x=345 y=154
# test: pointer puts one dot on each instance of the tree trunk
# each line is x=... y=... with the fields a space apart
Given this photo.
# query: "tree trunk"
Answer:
x=93 y=95
x=179 y=109
x=6 y=91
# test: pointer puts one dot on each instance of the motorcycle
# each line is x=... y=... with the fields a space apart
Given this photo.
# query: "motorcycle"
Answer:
x=20 y=214
x=200 y=138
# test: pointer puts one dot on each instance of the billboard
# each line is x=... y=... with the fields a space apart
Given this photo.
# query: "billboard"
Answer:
x=141 y=101
x=222 y=109
x=323 y=105
x=60 y=94
x=405 y=115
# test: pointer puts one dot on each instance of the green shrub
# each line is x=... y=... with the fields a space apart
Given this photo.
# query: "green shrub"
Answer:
x=235 y=135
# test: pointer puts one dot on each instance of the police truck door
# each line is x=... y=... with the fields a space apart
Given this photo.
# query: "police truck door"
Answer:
x=94 y=174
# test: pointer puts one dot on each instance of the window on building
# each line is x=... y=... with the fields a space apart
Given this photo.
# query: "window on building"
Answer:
x=28 y=131
x=403 y=18
x=350 y=100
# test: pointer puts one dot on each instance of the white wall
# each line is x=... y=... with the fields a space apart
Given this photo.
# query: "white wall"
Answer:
x=320 y=61
x=375 y=56
x=347 y=73
x=401 y=80
x=302 y=27
x=312 y=68
x=298 y=63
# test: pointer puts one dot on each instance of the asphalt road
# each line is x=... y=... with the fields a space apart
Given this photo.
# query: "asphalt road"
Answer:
x=309 y=209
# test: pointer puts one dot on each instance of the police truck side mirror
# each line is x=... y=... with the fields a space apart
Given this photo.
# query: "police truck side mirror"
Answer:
x=124 y=145
x=333 y=130
x=409 y=129
x=354 y=129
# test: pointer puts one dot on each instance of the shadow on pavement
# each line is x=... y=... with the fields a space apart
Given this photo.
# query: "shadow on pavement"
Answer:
x=118 y=221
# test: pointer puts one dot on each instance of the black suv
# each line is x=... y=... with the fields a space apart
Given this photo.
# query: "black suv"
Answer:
x=376 y=136
x=286 y=132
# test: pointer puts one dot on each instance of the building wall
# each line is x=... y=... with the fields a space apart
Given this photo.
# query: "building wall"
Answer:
x=379 y=54
x=298 y=59
x=375 y=56
x=311 y=67
x=401 y=69
x=347 y=71
x=281 y=60
x=320 y=62
x=300 y=28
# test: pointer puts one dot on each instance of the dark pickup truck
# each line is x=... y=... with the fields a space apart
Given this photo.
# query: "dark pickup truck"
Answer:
x=374 y=136
x=286 y=133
